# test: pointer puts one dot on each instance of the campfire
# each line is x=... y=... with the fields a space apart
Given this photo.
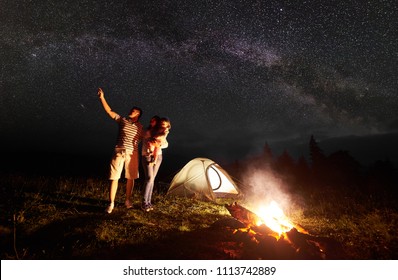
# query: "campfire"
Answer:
x=271 y=230
x=274 y=218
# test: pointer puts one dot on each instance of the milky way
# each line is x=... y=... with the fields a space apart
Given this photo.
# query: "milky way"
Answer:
x=231 y=75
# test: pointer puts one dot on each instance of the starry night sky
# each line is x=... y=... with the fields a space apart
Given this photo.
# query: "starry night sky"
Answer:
x=231 y=75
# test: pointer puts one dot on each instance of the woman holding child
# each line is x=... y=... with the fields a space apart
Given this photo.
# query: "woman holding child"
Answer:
x=154 y=140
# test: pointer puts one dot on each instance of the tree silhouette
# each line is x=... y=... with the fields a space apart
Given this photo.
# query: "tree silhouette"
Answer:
x=317 y=156
x=338 y=172
x=285 y=163
x=318 y=163
x=343 y=170
x=302 y=172
x=267 y=154
x=382 y=178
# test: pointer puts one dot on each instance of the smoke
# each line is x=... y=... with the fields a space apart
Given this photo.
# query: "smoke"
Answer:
x=264 y=185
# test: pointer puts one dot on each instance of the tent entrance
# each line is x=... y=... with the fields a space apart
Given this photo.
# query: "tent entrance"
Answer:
x=218 y=181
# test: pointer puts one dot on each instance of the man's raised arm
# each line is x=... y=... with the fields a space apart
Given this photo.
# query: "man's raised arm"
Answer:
x=105 y=104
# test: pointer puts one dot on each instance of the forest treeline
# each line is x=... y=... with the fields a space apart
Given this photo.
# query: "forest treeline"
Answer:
x=338 y=171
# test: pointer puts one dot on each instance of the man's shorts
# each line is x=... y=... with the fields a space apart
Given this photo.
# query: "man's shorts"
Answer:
x=124 y=159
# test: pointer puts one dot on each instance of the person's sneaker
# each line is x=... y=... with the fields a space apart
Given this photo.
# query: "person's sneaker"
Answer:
x=109 y=209
x=145 y=207
x=150 y=207
x=128 y=204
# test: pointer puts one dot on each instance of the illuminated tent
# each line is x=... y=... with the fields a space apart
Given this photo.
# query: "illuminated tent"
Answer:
x=204 y=179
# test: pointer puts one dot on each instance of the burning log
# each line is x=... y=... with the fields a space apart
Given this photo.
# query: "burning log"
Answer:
x=294 y=243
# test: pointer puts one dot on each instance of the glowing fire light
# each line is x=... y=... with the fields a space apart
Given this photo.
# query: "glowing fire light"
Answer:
x=274 y=218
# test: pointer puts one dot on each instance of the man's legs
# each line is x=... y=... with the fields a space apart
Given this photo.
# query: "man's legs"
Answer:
x=116 y=167
x=129 y=191
x=112 y=191
x=112 y=195
x=131 y=169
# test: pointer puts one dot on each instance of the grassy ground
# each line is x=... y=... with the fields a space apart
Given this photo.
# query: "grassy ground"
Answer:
x=63 y=218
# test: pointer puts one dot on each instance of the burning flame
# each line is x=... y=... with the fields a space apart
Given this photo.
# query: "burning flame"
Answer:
x=274 y=218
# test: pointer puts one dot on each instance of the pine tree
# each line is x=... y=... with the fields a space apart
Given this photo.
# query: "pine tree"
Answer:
x=268 y=156
x=319 y=169
x=317 y=156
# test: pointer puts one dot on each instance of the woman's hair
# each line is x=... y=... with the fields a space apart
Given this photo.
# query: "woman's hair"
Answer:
x=158 y=130
x=157 y=119
x=164 y=119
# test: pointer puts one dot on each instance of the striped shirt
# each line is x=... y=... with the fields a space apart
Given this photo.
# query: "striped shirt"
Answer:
x=130 y=134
